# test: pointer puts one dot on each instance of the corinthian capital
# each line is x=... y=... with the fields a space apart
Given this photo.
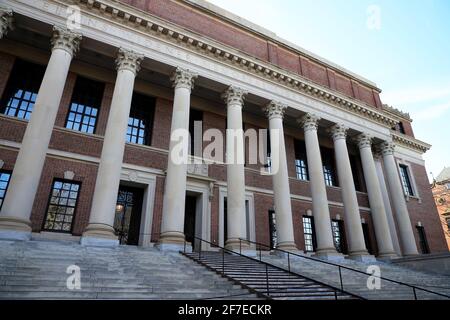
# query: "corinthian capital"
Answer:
x=183 y=78
x=275 y=109
x=387 y=148
x=234 y=95
x=338 y=131
x=129 y=60
x=66 y=40
x=309 y=121
x=6 y=22
x=364 y=140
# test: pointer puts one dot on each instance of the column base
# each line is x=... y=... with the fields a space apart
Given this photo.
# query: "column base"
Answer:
x=365 y=257
x=12 y=228
x=99 y=235
x=173 y=241
x=328 y=254
x=237 y=246
x=386 y=257
x=287 y=246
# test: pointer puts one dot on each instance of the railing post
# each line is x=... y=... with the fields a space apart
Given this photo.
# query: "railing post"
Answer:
x=415 y=294
x=240 y=246
x=335 y=295
x=340 y=278
x=289 y=263
x=267 y=280
x=223 y=262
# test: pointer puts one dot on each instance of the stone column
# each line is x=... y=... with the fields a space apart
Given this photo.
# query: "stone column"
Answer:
x=6 y=22
x=100 y=230
x=407 y=240
x=355 y=236
x=387 y=203
x=282 y=193
x=236 y=213
x=172 y=225
x=321 y=213
x=384 y=240
x=16 y=210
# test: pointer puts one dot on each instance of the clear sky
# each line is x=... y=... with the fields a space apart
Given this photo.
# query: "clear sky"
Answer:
x=403 y=46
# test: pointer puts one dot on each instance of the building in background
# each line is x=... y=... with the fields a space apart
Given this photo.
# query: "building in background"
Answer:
x=87 y=115
x=441 y=194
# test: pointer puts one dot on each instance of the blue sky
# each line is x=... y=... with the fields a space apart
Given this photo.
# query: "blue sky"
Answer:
x=406 y=52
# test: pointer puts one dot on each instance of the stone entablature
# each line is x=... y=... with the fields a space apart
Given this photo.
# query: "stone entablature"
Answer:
x=161 y=29
x=410 y=142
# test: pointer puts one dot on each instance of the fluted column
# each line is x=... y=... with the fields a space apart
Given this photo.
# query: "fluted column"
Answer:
x=378 y=212
x=406 y=234
x=236 y=213
x=321 y=213
x=16 y=210
x=355 y=236
x=172 y=225
x=100 y=230
x=280 y=178
x=6 y=22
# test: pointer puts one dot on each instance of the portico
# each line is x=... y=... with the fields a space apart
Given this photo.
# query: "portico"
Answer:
x=179 y=69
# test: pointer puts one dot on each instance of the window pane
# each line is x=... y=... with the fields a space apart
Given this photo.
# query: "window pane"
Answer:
x=61 y=207
x=4 y=182
x=140 y=119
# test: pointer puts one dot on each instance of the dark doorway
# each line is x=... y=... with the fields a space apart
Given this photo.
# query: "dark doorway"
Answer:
x=127 y=221
x=272 y=229
x=424 y=248
x=365 y=228
x=189 y=218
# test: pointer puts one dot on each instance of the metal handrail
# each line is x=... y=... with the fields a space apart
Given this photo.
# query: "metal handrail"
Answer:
x=267 y=295
x=340 y=267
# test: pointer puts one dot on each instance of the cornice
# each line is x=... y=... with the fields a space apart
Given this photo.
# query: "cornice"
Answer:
x=397 y=112
x=154 y=26
x=409 y=142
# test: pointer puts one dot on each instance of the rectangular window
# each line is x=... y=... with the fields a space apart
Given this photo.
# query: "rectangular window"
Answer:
x=86 y=100
x=423 y=240
x=61 y=206
x=308 y=232
x=328 y=166
x=140 y=122
x=196 y=132
x=22 y=89
x=268 y=164
x=355 y=163
x=272 y=229
x=406 y=181
x=301 y=164
x=5 y=176
x=337 y=229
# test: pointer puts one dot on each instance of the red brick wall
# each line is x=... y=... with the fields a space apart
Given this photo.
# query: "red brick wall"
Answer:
x=55 y=168
x=426 y=212
x=251 y=43
x=158 y=208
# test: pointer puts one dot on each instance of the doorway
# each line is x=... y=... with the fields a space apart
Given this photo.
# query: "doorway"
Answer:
x=127 y=220
x=190 y=212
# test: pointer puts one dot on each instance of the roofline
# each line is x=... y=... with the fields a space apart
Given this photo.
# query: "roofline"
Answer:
x=254 y=28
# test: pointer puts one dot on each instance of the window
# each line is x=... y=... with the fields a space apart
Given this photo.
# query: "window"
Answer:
x=140 y=122
x=268 y=164
x=195 y=132
x=5 y=176
x=301 y=165
x=399 y=127
x=337 y=229
x=328 y=167
x=406 y=181
x=272 y=229
x=308 y=232
x=423 y=240
x=355 y=163
x=22 y=89
x=61 y=206
x=86 y=100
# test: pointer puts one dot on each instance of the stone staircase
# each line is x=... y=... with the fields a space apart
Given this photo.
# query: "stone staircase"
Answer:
x=357 y=283
x=265 y=279
x=37 y=270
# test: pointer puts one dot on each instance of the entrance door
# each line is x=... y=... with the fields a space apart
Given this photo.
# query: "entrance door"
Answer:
x=272 y=229
x=337 y=227
x=366 y=233
x=127 y=220
x=189 y=218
